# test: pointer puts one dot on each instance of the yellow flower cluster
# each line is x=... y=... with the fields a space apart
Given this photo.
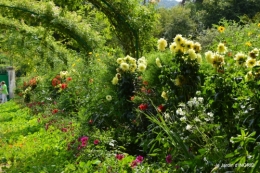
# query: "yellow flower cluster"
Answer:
x=217 y=58
x=129 y=64
x=182 y=45
x=248 y=61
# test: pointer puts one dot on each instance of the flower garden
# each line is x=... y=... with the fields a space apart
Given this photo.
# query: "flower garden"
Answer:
x=191 y=105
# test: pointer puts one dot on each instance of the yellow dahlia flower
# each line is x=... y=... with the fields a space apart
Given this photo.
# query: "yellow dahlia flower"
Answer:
x=158 y=62
x=162 y=43
x=192 y=54
x=218 y=60
x=115 y=80
x=222 y=48
x=240 y=59
x=124 y=66
x=199 y=58
x=141 y=67
x=120 y=60
x=250 y=62
x=209 y=56
x=197 y=47
x=179 y=40
x=189 y=44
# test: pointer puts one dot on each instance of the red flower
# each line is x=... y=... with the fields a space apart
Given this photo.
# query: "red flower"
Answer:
x=161 y=108
x=55 y=82
x=90 y=121
x=169 y=158
x=143 y=106
x=120 y=156
x=133 y=164
x=54 y=111
x=145 y=82
x=96 y=141
x=69 y=79
x=64 y=129
x=63 y=86
x=33 y=82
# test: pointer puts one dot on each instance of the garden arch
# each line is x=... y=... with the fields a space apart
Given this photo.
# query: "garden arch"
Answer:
x=128 y=33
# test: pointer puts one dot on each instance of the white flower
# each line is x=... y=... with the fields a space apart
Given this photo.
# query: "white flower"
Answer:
x=179 y=111
x=198 y=93
x=197 y=119
x=190 y=103
x=200 y=99
x=183 y=119
x=210 y=114
x=166 y=116
x=188 y=127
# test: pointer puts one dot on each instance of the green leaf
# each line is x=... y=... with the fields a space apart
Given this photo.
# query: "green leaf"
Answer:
x=202 y=151
x=96 y=162
x=230 y=155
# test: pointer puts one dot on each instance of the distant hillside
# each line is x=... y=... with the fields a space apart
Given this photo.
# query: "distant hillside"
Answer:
x=167 y=3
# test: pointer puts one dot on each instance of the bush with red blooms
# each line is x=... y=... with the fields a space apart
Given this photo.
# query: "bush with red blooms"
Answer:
x=60 y=82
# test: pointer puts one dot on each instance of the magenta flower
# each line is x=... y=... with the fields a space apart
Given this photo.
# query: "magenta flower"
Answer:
x=120 y=156
x=169 y=158
x=139 y=159
x=96 y=141
x=134 y=163
x=83 y=140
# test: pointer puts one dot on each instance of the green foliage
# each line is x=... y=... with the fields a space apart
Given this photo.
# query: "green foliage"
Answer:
x=176 y=20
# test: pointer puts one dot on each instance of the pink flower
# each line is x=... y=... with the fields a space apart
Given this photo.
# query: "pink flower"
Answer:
x=96 y=141
x=139 y=159
x=120 y=156
x=169 y=158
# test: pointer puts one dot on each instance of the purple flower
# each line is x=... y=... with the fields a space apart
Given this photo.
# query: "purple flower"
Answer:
x=169 y=158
